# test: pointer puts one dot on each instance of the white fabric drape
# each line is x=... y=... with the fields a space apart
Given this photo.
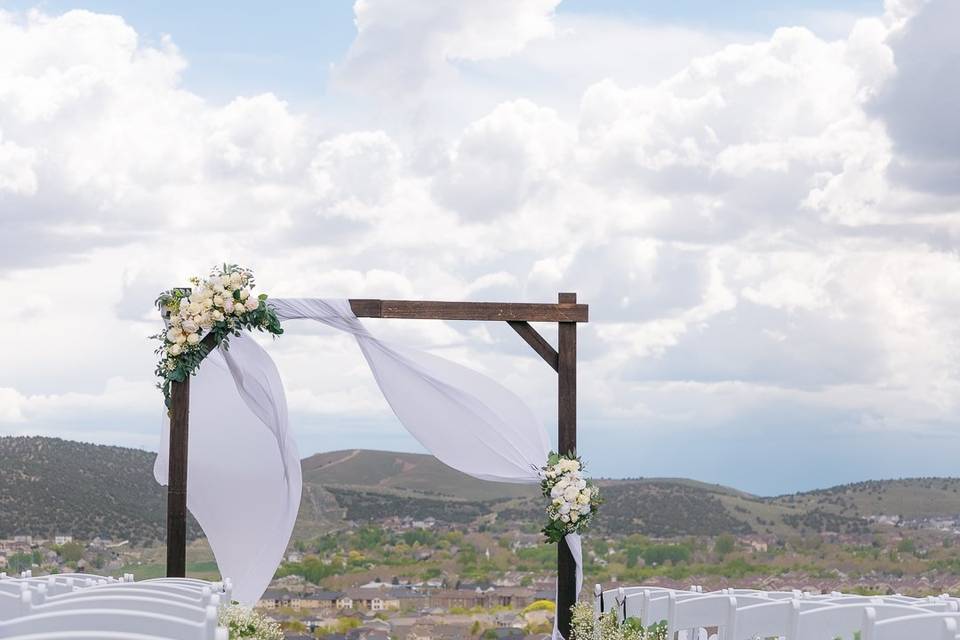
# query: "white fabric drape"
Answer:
x=243 y=468
x=464 y=418
x=244 y=473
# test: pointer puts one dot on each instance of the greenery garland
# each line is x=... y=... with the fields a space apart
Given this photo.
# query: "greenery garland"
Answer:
x=203 y=318
x=574 y=499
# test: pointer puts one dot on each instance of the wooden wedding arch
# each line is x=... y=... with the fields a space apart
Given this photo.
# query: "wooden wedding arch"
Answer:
x=566 y=313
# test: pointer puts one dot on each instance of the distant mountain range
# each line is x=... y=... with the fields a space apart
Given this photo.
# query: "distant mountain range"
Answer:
x=50 y=486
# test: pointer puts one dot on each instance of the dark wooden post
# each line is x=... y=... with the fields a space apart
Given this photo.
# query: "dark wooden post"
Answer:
x=177 y=479
x=567 y=443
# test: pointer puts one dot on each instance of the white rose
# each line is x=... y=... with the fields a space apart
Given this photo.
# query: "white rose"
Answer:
x=189 y=326
x=181 y=339
x=172 y=334
x=228 y=305
x=581 y=484
x=244 y=294
x=193 y=338
x=236 y=279
x=225 y=282
x=570 y=494
x=564 y=508
x=238 y=308
x=582 y=499
x=174 y=349
x=252 y=304
x=218 y=301
x=565 y=518
x=217 y=315
x=585 y=509
x=574 y=516
x=556 y=491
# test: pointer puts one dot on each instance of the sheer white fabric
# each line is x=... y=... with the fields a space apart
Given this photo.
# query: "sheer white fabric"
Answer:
x=244 y=474
x=464 y=418
x=243 y=469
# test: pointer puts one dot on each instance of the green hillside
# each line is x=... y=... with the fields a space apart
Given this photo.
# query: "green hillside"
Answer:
x=411 y=472
x=50 y=486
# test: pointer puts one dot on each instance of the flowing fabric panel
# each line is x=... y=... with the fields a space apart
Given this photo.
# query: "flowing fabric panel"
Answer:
x=243 y=468
x=465 y=419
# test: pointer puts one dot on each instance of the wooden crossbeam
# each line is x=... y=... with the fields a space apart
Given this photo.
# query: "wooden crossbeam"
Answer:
x=439 y=310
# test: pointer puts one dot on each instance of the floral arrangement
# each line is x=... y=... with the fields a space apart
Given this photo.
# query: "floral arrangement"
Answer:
x=202 y=318
x=573 y=499
x=242 y=622
x=584 y=625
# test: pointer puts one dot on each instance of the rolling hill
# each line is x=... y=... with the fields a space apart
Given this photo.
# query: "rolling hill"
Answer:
x=50 y=486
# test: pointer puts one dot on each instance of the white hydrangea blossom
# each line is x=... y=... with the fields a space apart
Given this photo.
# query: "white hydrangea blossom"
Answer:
x=573 y=500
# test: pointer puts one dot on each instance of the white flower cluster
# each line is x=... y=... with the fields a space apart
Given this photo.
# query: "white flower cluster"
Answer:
x=570 y=494
x=217 y=298
x=242 y=622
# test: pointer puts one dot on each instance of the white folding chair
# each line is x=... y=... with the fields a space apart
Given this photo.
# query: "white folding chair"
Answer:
x=83 y=601
x=13 y=587
x=843 y=620
x=654 y=608
x=225 y=586
x=204 y=593
x=106 y=620
x=613 y=599
x=771 y=619
x=699 y=613
x=189 y=599
x=220 y=634
x=928 y=626
x=14 y=605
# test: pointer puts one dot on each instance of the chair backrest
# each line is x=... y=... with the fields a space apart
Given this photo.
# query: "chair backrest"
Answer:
x=841 y=620
x=195 y=612
x=221 y=634
x=613 y=599
x=107 y=620
x=928 y=626
x=703 y=611
x=14 y=605
x=190 y=599
x=654 y=608
x=155 y=587
x=13 y=587
x=768 y=619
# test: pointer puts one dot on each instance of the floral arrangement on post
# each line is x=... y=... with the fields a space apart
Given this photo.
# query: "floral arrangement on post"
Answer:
x=242 y=622
x=573 y=499
x=584 y=625
x=202 y=318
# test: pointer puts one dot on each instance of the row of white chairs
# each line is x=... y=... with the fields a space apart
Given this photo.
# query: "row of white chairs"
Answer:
x=746 y=614
x=78 y=607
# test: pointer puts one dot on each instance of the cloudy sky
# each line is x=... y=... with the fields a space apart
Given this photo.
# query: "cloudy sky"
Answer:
x=759 y=200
